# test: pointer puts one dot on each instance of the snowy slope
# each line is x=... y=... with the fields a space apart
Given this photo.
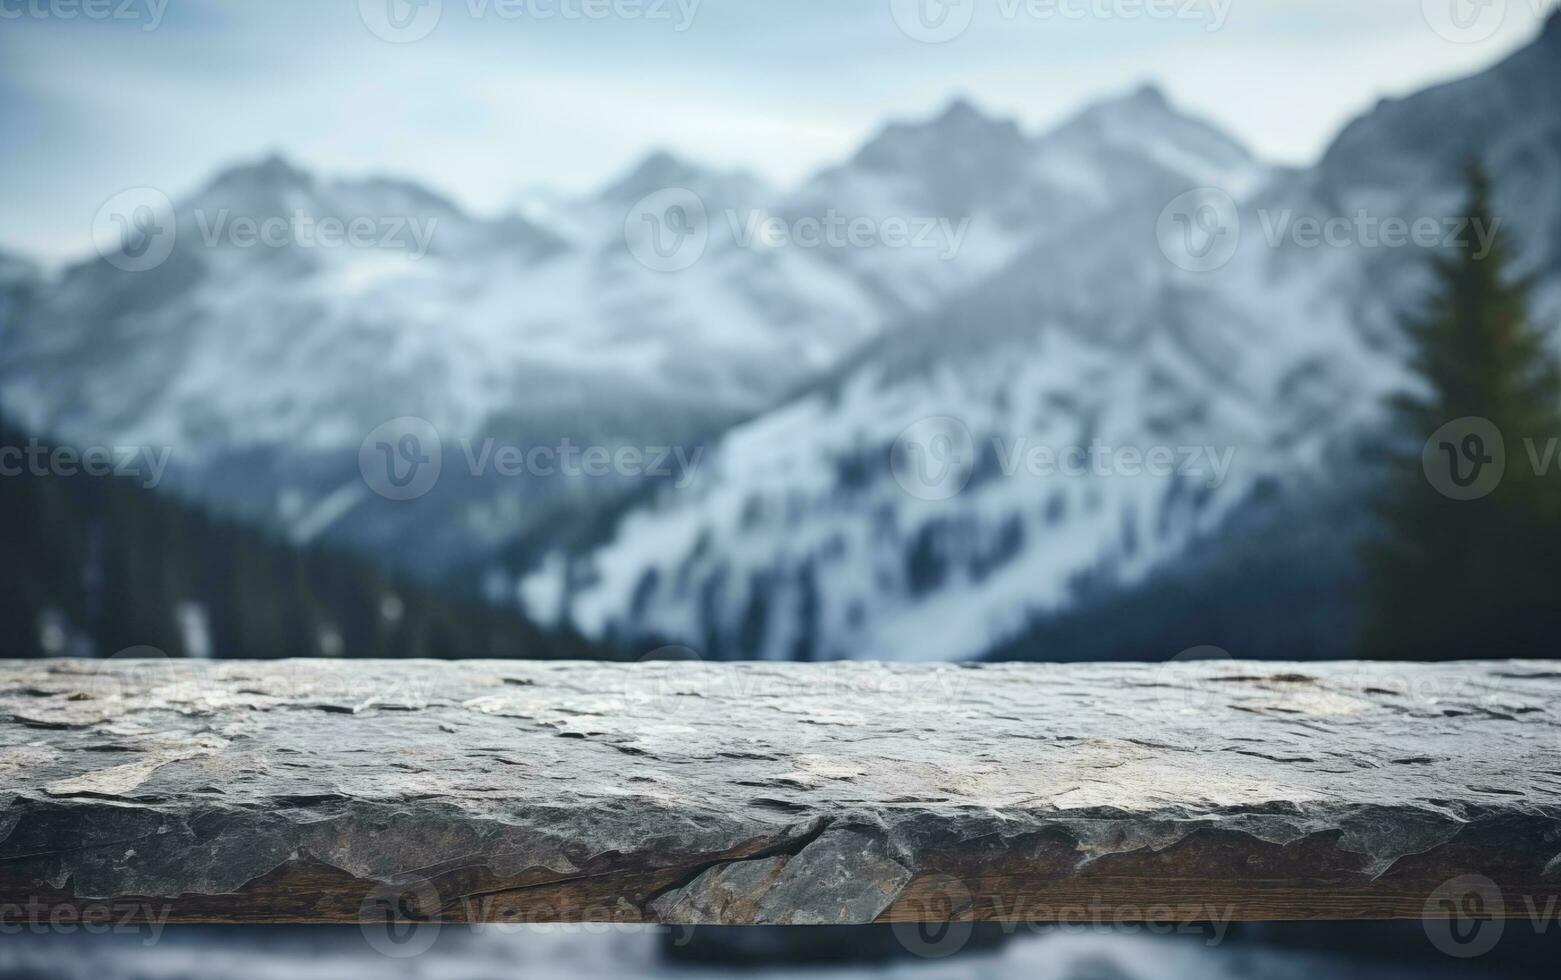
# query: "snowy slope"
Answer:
x=17 y=278
x=264 y=368
x=812 y=532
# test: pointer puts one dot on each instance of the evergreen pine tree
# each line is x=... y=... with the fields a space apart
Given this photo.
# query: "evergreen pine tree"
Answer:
x=1468 y=560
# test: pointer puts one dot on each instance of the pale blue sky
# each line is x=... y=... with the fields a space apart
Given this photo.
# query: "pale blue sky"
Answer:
x=484 y=106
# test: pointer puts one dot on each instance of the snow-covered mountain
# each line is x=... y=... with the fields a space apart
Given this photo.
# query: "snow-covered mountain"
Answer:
x=1013 y=189
x=263 y=367
x=17 y=276
x=14 y=269
x=884 y=418
x=988 y=462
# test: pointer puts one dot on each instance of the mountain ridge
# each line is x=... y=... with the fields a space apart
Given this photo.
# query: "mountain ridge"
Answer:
x=801 y=538
x=1059 y=319
x=492 y=326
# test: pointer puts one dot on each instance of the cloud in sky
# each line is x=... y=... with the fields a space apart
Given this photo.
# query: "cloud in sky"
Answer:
x=503 y=95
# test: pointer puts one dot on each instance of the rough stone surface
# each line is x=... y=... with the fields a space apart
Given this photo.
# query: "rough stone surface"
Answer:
x=774 y=793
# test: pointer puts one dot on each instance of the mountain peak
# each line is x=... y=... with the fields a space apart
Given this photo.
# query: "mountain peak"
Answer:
x=408 y=194
x=271 y=173
x=661 y=170
x=1146 y=122
x=1148 y=96
x=960 y=130
x=961 y=112
x=1142 y=104
x=658 y=171
x=1143 y=124
x=961 y=115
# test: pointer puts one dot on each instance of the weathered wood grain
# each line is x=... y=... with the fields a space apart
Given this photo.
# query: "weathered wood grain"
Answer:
x=768 y=793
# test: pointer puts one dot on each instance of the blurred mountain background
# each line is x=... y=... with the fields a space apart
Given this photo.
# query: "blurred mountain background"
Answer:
x=791 y=375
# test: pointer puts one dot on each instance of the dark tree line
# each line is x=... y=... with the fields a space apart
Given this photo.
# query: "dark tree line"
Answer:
x=94 y=565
